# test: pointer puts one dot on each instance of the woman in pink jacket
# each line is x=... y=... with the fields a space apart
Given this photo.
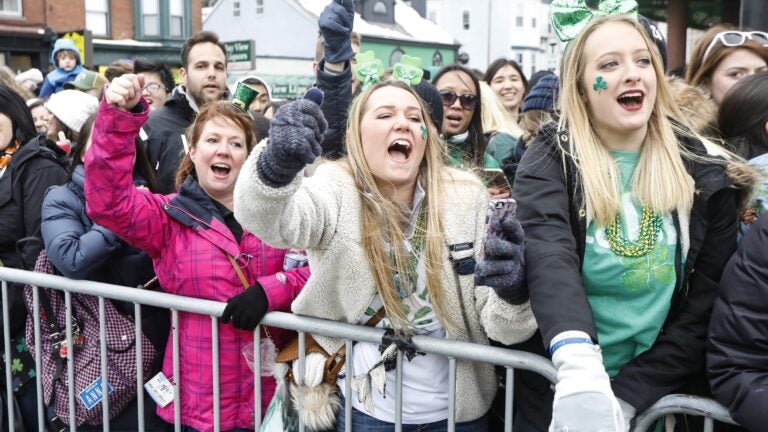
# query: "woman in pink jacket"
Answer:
x=191 y=236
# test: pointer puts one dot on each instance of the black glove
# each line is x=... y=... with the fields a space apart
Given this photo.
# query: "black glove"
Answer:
x=503 y=266
x=295 y=135
x=336 y=24
x=247 y=308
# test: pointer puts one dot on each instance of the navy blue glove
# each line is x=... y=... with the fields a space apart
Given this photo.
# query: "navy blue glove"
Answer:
x=247 y=308
x=336 y=24
x=295 y=135
x=503 y=265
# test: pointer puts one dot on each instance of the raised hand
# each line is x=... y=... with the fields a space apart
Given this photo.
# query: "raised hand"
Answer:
x=125 y=91
x=336 y=23
x=503 y=265
x=295 y=135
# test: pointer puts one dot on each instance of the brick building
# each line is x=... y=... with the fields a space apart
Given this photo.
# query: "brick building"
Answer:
x=110 y=29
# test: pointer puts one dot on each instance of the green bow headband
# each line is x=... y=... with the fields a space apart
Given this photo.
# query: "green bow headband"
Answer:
x=370 y=69
x=570 y=16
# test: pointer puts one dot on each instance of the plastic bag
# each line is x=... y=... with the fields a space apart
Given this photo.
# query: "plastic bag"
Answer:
x=268 y=353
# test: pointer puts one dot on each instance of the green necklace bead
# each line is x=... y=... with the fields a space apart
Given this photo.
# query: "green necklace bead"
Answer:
x=650 y=227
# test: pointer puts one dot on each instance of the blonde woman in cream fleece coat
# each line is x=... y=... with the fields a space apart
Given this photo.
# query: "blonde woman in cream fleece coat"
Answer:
x=390 y=226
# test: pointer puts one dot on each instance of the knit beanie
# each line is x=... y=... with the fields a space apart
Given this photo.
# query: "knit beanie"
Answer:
x=72 y=107
x=655 y=34
x=543 y=95
x=431 y=97
x=33 y=75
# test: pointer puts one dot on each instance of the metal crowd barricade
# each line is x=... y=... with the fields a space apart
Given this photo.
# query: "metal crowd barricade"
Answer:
x=511 y=360
x=454 y=350
x=684 y=404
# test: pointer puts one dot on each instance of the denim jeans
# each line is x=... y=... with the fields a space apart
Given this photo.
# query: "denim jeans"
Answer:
x=365 y=423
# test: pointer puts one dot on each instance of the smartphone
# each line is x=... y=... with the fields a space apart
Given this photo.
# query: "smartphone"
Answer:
x=497 y=210
x=495 y=177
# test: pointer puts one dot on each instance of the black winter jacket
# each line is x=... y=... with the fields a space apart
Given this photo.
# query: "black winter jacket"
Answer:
x=35 y=167
x=337 y=89
x=552 y=211
x=737 y=360
x=80 y=249
x=164 y=129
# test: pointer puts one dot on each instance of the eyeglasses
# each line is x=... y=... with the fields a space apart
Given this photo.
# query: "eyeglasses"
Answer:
x=733 y=38
x=153 y=87
x=468 y=101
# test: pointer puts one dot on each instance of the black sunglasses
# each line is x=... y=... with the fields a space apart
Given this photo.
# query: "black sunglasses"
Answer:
x=468 y=101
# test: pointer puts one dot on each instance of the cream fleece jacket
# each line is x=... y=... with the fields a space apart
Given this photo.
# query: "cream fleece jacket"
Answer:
x=321 y=214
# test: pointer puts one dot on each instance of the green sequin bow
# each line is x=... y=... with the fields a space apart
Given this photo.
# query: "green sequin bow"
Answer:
x=369 y=69
x=570 y=16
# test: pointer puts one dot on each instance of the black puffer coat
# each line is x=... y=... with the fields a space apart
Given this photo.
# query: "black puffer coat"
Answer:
x=737 y=357
x=35 y=167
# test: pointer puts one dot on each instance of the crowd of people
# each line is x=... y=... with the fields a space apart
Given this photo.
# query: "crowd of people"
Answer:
x=635 y=258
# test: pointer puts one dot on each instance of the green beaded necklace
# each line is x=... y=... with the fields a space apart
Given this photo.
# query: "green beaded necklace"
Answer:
x=650 y=227
x=417 y=244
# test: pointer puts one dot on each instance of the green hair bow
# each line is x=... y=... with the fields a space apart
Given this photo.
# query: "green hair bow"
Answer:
x=369 y=69
x=570 y=16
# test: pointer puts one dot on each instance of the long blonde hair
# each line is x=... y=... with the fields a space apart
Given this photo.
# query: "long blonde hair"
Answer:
x=660 y=180
x=495 y=116
x=384 y=219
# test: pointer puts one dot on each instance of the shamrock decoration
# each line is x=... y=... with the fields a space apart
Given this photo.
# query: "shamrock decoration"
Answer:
x=16 y=366
x=408 y=70
x=599 y=84
x=369 y=68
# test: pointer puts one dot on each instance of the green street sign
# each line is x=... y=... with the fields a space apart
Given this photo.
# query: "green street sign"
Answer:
x=241 y=55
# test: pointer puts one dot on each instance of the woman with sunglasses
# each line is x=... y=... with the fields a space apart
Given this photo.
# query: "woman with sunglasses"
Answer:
x=725 y=55
x=462 y=117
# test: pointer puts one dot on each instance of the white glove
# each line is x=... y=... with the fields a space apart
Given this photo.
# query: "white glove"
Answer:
x=584 y=401
x=314 y=365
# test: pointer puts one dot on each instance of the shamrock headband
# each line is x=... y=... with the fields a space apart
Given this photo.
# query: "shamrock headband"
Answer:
x=370 y=69
x=569 y=17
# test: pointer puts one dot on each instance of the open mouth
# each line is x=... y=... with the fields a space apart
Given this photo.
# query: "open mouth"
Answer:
x=400 y=150
x=220 y=170
x=631 y=100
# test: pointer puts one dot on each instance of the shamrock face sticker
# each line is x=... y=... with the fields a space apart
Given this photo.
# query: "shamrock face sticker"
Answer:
x=599 y=84
x=423 y=132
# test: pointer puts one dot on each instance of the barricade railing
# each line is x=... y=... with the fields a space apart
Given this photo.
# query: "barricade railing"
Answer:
x=710 y=409
x=453 y=350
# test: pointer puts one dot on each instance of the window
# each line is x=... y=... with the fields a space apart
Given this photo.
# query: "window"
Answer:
x=150 y=17
x=236 y=8
x=97 y=17
x=259 y=7
x=437 y=59
x=520 y=59
x=395 y=56
x=10 y=7
x=380 y=8
x=177 y=18
x=465 y=20
x=533 y=22
x=519 y=21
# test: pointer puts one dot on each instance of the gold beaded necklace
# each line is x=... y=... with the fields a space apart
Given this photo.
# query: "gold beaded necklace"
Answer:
x=650 y=227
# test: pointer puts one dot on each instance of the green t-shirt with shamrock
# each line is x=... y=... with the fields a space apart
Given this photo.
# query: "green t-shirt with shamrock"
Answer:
x=630 y=297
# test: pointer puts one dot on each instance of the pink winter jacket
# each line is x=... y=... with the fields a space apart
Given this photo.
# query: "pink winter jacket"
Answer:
x=189 y=251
